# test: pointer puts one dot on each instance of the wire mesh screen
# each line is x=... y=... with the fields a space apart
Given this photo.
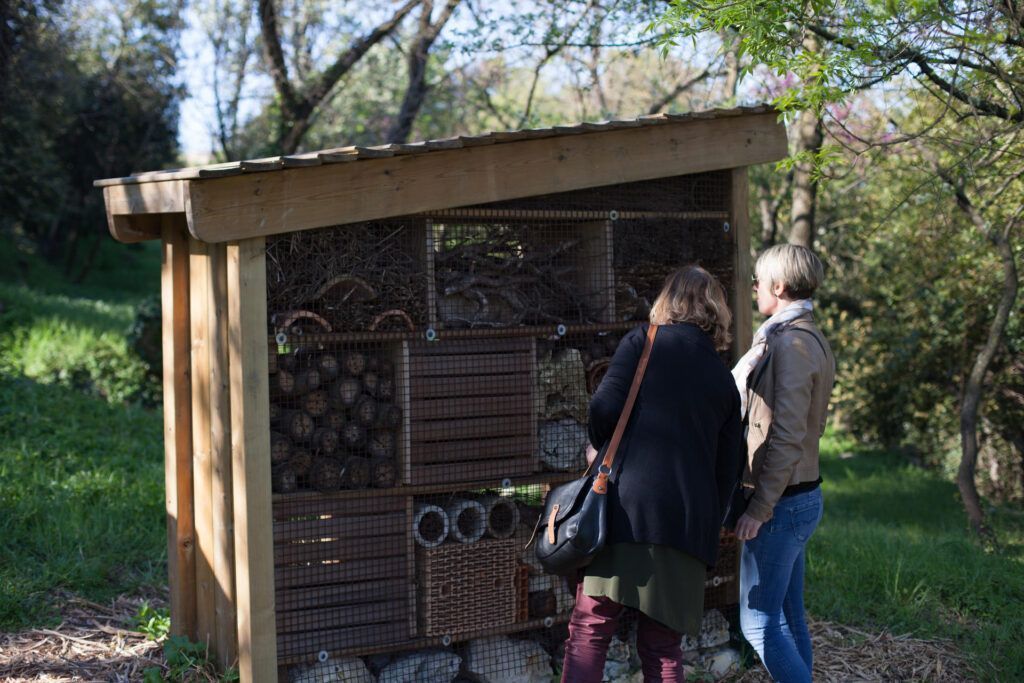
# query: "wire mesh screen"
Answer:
x=430 y=380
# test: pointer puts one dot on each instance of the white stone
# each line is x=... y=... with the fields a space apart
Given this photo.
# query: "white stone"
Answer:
x=722 y=663
x=422 y=667
x=714 y=629
x=504 y=660
x=618 y=651
x=562 y=445
x=616 y=672
x=689 y=645
x=350 y=670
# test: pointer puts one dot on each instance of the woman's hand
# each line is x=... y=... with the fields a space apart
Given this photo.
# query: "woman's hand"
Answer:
x=747 y=527
x=591 y=454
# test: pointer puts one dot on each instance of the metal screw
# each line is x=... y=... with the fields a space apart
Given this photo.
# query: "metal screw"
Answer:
x=726 y=227
x=431 y=334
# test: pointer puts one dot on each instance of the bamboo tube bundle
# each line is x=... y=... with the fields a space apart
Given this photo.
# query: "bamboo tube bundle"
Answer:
x=430 y=525
x=467 y=520
x=501 y=516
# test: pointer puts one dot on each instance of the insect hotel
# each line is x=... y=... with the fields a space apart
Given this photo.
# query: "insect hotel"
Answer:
x=377 y=359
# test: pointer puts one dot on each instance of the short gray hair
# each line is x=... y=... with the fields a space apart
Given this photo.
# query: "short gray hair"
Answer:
x=796 y=268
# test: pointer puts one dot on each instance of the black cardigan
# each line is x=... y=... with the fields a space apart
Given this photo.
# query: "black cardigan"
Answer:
x=681 y=453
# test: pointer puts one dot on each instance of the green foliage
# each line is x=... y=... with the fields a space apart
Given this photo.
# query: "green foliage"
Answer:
x=89 y=92
x=154 y=623
x=187 y=662
x=892 y=552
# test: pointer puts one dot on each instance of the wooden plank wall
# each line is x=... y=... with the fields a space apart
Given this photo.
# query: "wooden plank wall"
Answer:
x=250 y=459
x=174 y=285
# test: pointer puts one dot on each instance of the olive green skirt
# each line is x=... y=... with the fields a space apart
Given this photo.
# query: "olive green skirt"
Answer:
x=663 y=582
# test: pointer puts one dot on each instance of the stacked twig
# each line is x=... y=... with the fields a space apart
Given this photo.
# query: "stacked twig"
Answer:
x=365 y=276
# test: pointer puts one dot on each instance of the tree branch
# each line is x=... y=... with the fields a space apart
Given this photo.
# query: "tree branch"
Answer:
x=906 y=54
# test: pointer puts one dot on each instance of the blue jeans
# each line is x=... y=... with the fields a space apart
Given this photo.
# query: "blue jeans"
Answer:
x=772 y=588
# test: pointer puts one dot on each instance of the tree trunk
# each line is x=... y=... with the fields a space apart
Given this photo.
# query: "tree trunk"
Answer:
x=416 y=93
x=808 y=138
x=975 y=384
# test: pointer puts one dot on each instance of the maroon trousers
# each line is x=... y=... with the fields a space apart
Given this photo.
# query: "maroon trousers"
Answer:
x=591 y=627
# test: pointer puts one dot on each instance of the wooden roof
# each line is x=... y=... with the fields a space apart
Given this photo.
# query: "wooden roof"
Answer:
x=257 y=197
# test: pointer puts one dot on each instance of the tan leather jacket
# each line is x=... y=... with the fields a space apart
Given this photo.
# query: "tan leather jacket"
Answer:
x=788 y=399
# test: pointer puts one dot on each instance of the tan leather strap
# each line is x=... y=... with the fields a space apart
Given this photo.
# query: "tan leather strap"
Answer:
x=601 y=481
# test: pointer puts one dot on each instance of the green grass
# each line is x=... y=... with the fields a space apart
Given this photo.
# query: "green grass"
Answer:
x=81 y=499
x=81 y=471
x=893 y=552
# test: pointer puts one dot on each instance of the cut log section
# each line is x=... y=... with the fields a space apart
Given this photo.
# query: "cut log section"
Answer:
x=383 y=472
x=329 y=367
x=324 y=441
x=297 y=425
x=301 y=461
x=381 y=444
x=325 y=474
x=315 y=403
x=355 y=472
x=365 y=411
x=284 y=479
x=429 y=525
x=280 y=448
x=344 y=393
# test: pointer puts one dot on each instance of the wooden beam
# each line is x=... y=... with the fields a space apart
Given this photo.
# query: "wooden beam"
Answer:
x=178 y=425
x=244 y=206
x=742 y=308
x=226 y=641
x=133 y=211
x=250 y=460
x=202 y=468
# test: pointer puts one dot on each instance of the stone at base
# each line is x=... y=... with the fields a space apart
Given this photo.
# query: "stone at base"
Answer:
x=351 y=670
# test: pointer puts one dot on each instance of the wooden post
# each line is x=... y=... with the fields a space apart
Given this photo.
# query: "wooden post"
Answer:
x=174 y=286
x=250 y=460
x=220 y=460
x=743 y=315
x=199 y=285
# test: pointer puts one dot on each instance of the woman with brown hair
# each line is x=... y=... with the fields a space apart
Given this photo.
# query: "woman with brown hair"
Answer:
x=676 y=465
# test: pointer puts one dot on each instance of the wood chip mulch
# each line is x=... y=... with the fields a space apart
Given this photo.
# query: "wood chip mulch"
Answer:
x=92 y=643
x=843 y=654
x=98 y=643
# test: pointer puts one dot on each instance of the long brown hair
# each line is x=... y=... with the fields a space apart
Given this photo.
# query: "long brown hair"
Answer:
x=693 y=295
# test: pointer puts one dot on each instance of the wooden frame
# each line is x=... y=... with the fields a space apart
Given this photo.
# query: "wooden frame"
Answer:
x=215 y=334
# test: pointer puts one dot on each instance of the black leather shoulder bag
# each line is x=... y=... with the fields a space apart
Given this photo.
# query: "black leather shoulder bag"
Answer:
x=573 y=526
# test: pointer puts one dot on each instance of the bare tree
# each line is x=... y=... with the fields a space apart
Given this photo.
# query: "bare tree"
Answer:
x=300 y=101
x=418 y=54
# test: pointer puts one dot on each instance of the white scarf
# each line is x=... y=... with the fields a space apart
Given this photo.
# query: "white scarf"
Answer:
x=746 y=364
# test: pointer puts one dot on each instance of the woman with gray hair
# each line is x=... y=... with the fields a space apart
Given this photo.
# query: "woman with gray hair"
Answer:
x=784 y=381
